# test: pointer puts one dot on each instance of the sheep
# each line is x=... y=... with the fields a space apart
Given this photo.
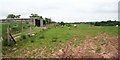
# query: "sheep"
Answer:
x=116 y=25
x=75 y=25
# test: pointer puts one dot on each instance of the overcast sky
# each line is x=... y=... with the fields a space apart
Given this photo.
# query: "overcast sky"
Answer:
x=62 y=10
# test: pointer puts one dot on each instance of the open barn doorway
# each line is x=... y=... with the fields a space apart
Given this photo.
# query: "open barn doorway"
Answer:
x=44 y=23
x=37 y=22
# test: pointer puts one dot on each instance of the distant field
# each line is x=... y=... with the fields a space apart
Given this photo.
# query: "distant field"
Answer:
x=46 y=43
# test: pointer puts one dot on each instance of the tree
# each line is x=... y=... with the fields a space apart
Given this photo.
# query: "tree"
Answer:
x=33 y=15
x=40 y=17
x=48 y=20
x=17 y=16
x=11 y=16
x=62 y=23
x=97 y=23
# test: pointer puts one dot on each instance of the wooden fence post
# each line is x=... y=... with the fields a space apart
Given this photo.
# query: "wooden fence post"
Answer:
x=8 y=39
x=30 y=31
x=21 y=29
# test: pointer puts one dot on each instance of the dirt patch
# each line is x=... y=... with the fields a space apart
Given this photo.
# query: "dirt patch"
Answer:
x=101 y=46
x=26 y=52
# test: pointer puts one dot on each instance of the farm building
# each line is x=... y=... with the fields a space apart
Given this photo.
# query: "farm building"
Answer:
x=36 y=21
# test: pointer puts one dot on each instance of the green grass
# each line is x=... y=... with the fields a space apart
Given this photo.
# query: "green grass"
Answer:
x=0 y=41
x=56 y=38
x=0 y=29
x=15 y=28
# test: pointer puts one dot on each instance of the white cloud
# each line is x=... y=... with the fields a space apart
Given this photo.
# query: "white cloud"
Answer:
x=62 y=10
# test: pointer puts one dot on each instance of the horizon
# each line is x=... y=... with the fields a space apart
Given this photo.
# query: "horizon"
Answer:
x=75 y=21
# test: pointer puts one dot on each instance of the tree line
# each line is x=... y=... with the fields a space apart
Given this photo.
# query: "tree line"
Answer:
x=102 y=23
x=106 y=23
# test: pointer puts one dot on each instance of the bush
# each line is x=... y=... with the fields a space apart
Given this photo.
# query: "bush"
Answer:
x=23 y=37
x=24 y=27
x=27 y=22
x=32 y=41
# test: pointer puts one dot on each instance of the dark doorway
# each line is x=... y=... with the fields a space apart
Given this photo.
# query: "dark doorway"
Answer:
x=37 y=22
x=44 y=22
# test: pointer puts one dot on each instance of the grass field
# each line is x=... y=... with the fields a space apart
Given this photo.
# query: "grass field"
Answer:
x=0 y=29
x=0 y=41
x=46 y=43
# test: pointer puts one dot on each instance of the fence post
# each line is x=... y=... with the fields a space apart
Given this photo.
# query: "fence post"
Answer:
x=30 y=31
x=8 y=39
x=21 y=29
